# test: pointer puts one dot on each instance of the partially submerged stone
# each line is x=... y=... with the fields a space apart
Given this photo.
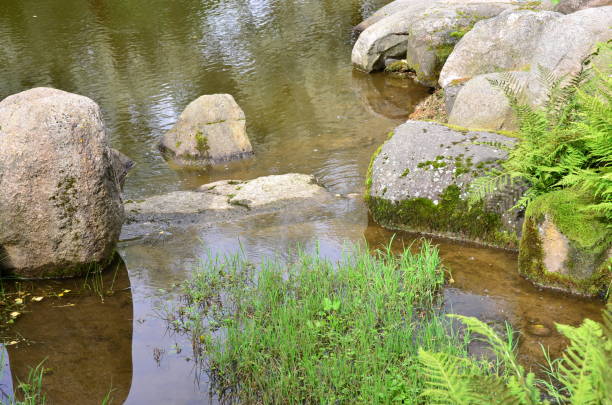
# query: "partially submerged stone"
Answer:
x=60 y=202
x=121 y=165
x=423 y=33
x=565 y=247
x=418 y=182
x=571 y=6
x=224 y=201
x=210 y=130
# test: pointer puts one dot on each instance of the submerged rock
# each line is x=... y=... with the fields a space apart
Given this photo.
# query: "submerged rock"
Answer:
x=564 y=247
x=211 y=129
x=418 y=182
x=423 y=33
x=60 y=205
x=223 y=201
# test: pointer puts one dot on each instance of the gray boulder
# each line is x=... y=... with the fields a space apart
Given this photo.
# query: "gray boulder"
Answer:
x=527 y=43
x=211 y=129
x=423 y=33
x=385 y=11
x=479 y=104
x=571 y=6
x=506 y=42
x=419 y=179
x=60 y=205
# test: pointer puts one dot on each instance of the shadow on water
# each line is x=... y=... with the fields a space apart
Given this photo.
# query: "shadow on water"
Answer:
x=82 y=331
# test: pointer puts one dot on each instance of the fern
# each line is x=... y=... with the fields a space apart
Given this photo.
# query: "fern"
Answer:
x=582 y=376
x=565 y=144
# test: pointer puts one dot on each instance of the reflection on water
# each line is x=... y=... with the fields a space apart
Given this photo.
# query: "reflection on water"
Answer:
x=84 y=341
x=287 y=63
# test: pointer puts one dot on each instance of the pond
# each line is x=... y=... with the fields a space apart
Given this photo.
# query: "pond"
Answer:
x=287 y=63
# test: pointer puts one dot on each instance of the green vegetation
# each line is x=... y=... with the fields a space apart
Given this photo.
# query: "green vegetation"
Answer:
x=565 y=145
x=315 y=332
x=202 y=143
x=30 y=391
x=581 y=376
x=367 y=330
x=564 y=157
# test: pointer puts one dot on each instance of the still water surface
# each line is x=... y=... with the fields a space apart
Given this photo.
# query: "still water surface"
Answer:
x=287 y=63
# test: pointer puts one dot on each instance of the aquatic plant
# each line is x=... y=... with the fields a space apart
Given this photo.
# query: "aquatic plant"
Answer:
x=316 y=331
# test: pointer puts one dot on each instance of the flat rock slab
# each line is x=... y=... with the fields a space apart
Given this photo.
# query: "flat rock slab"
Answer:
x=222 y=201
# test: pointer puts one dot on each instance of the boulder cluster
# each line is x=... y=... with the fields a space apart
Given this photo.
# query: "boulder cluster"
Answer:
x=419 y=179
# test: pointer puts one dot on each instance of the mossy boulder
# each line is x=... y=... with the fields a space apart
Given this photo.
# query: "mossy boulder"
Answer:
x=210 y=130
x=422 y=33
x=418 y=182
x=565 y=247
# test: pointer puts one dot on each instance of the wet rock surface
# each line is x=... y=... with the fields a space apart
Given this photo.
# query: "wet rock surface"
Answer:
x=60 y=205
x=563 y=248
x=419 y=182
x=222 y=201
x=210 y=130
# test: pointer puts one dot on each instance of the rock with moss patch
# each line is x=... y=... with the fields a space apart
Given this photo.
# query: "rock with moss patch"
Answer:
x=210 y=130
x=418 y=182
x=423 y=33
x=565 y=247
x=60 y=205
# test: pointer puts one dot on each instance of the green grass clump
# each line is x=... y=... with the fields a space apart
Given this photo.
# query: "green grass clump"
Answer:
x=315 y=331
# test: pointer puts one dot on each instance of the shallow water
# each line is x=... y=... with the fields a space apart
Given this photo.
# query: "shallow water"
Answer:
x=287 y=63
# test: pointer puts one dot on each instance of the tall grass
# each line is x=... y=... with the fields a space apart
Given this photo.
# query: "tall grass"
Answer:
x=315 y=331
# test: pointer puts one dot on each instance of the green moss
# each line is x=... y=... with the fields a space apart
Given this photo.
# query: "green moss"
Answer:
x=405 y=173
x=589 y=240
x=400 y=66
x=451 y=217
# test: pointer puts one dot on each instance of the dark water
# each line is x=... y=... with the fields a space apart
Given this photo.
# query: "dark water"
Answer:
x=287 y=63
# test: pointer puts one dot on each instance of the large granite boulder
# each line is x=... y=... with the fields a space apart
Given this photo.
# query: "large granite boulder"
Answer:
x=422 y=33
x=526 y=43
x=565 y=247
x=504 y=43
x=211 y=129
x=385 y=11
x=418 y=182
x=60 y=205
